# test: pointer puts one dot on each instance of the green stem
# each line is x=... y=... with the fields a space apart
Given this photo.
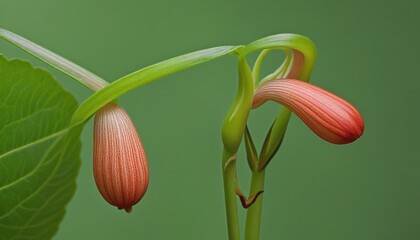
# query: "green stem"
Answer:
x=253 y=216
x=287 y=40
x=257 y=66
x=232 y=133
x=229 y=182
x=147 y=75
x=278 y=73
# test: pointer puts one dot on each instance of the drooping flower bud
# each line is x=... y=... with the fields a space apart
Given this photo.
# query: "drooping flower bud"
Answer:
x=119 y=161
x=330 y=117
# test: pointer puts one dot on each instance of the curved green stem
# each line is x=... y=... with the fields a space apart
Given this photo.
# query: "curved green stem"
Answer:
x=288 y=40
x=281 y=71
x=253 y=216
x=147 y=75
x=232 y=134
x=69 y=68
x=278 y=73
x=257 y=66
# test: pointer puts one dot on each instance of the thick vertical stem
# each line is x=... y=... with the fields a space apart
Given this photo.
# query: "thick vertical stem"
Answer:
x=229 y=178
x=253 y=217
x=232 y=133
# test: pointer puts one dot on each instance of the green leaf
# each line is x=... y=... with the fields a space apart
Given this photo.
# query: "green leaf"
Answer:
x=147 y=75
x=274 y=138
x=251 y=152
x=39 y=153
x=73 y=70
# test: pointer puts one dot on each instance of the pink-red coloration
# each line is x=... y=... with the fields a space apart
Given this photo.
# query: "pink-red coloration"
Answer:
x=298 y=60
x=330 y=117
x=119 y=162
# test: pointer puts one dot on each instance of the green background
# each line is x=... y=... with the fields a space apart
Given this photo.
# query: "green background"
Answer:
x=367 y=51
